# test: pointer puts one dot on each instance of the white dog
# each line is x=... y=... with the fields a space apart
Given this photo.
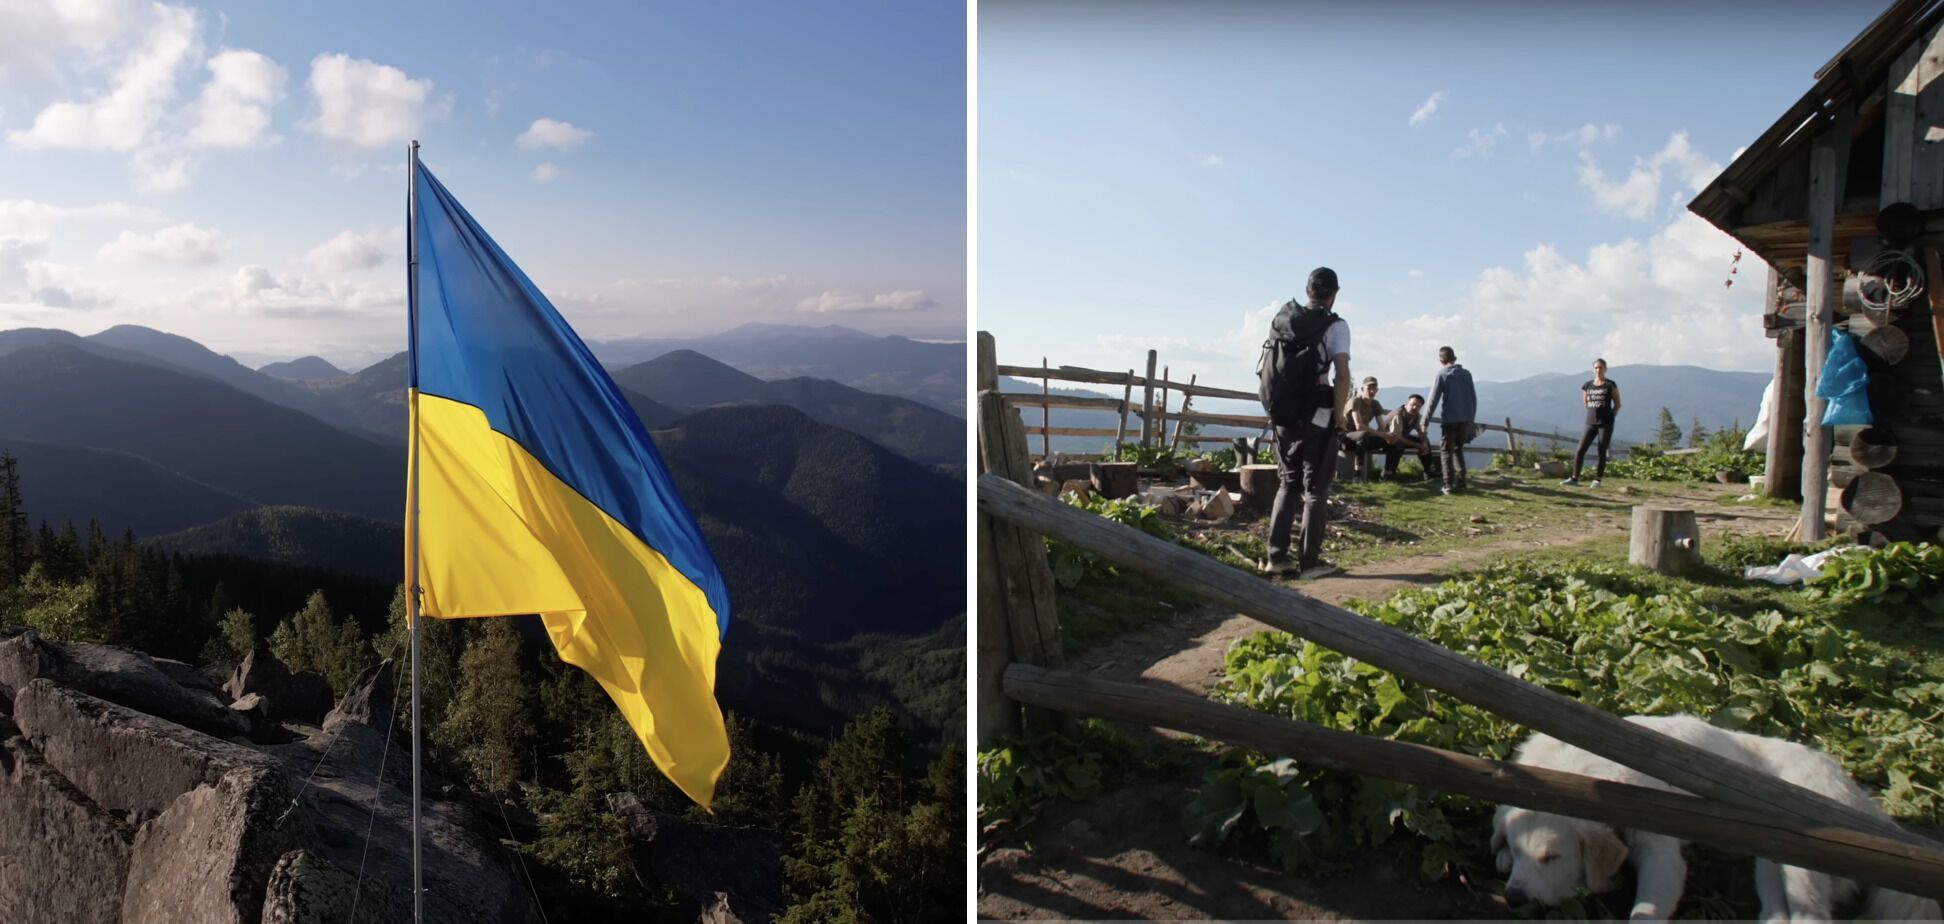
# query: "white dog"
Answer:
x=1547 y=856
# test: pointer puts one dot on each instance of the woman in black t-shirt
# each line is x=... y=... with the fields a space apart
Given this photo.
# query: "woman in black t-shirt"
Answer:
x=1602 y=399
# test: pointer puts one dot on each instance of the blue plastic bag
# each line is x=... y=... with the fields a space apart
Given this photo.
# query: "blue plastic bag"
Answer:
x=1845 y=384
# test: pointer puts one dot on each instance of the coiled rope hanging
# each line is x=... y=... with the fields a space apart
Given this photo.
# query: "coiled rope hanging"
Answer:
x=1899 y=279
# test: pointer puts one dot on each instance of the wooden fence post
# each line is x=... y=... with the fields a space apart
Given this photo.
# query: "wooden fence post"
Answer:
x=1511 y=439
x=988 y=363
x=1147 y=401
x=1017 y=618
x=1120 y=432
x=1186 y=397
x=1046 y=414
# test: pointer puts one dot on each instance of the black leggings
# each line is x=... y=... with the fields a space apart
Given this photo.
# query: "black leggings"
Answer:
x=1604 y=429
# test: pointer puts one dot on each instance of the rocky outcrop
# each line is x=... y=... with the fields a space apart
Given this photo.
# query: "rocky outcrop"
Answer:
x=734 y=874
x=302 y=696
x=114 y=808
x=127 y=678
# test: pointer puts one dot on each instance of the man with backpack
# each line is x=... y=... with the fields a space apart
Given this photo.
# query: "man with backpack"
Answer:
x=1307 y=342
x=1453 y=386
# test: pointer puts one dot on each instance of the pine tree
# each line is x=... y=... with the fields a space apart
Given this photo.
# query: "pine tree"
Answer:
x=16 y=548
x=490 y=722
x=1697 y=434
x=315 y=640
x=1668 y=434
x=439 y=646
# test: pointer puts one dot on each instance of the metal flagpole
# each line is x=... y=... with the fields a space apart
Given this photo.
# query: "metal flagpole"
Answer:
x=412 y=577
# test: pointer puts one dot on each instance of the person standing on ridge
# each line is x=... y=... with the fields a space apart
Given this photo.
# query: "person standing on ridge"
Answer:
x=1453 y=387
x=1307 y=342
x=1602 y=399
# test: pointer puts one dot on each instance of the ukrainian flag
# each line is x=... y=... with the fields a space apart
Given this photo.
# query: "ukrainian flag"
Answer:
x=540 y=492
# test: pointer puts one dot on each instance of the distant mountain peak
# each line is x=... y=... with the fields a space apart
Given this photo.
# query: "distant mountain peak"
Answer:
x=303 y=369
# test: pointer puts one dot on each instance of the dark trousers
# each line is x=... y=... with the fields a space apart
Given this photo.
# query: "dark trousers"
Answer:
x=1362 y=446
x=1452 y=448
x=1604 y=430
x=1394 y=453
x=1305 y=465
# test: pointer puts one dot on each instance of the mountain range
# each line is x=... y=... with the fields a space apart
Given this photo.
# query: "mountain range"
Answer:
x=933 y=373
x=824 y=534
x=1542 y=403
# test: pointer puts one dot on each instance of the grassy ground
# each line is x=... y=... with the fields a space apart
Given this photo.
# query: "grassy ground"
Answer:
x=1383 y=521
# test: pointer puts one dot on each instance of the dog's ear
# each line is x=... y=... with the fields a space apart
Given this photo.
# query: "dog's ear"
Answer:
x=1500 y=851
x=1603 y=853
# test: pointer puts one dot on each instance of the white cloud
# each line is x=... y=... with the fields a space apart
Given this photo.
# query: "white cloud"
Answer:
x=1211 y=160
x=549 y=133
x=1584 y=136
x=844 y=301
x=1415 y=273
x=1428 y=108
x=234 y=108
x=184 y=244
x=160 y=171
x=545 y=173
x=1480 y=142
x=142 y=86
x=39 y=35
x=367 y=104
x=256 y=291
x=348 y=252
x=31 y=286
x=23 y=215
x=1639 y=193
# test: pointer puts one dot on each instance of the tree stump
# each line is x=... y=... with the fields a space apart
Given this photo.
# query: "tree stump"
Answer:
x=1259 y=483
x=1873 y=498
x=1873 y=447
x=1114 y=480
x=1665 y=540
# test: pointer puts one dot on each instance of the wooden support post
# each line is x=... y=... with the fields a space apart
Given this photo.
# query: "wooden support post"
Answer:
x=1179 y=423
x=988 y=363
x=1161 y=422
x=1511 y=439
x=1877 y=860
x=1120 y=432
x=1015 y=581
x=1046 y=413
x=1828 y=158
x=1147 y=401
x=1783 y=468
x=1934 y=283
x=1676 y=763
x=1664 y=540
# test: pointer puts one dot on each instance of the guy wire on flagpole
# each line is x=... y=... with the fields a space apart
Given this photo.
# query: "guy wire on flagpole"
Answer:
x=411 y=538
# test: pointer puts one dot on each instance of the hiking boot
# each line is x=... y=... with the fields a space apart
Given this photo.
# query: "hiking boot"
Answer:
x=1446 y=489
x=1571 y=481
x=1595 y=483
x=1316 y=569
x=1275 y=567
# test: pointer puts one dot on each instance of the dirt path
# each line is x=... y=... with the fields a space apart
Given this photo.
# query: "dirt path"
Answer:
x=1124 y=856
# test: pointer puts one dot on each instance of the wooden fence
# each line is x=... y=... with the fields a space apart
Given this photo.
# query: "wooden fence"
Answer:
x=1019 y=685
x=1152 y=409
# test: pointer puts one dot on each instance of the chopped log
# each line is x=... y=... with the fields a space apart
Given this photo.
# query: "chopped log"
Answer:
x=1665 y=540
x=1114 y=479
x=1212 y=480
x=1079 y=487
x=1259 y=484
x=1887 y=343
x=1842 y=475
x=1873 y=447
x=1873 y=498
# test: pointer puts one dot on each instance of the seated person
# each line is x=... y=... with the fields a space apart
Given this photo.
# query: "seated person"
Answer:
x=1405 y=427
x=1363 y=430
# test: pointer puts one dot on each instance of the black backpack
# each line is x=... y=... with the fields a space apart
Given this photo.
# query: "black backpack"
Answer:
x=1293 y=358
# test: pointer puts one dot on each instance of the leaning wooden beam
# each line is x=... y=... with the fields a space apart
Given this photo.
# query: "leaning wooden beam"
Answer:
x=1414 y=659
x=1186 y=397
x=1866 y=857
x=1828 y=157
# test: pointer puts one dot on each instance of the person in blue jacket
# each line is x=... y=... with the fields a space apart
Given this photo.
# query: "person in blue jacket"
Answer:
x=1453 y=387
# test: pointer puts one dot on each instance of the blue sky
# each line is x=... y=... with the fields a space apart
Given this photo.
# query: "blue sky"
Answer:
x=234 y=172
x=1509 y=179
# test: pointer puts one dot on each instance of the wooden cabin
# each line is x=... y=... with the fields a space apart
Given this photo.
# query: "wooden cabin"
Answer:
x=1843 y=198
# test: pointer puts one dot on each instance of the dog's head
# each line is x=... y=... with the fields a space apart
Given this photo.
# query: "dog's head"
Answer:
x=1548 y=857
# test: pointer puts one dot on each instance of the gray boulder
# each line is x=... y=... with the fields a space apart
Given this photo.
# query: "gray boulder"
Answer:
x=370 y=701
x=302 y=695
x=127 y=678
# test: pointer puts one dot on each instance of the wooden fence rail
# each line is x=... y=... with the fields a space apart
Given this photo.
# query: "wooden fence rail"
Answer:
x=1853 y=854
x=1679 y=764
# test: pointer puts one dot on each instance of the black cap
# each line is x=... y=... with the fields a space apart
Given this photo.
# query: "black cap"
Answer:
x=1322 y=281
